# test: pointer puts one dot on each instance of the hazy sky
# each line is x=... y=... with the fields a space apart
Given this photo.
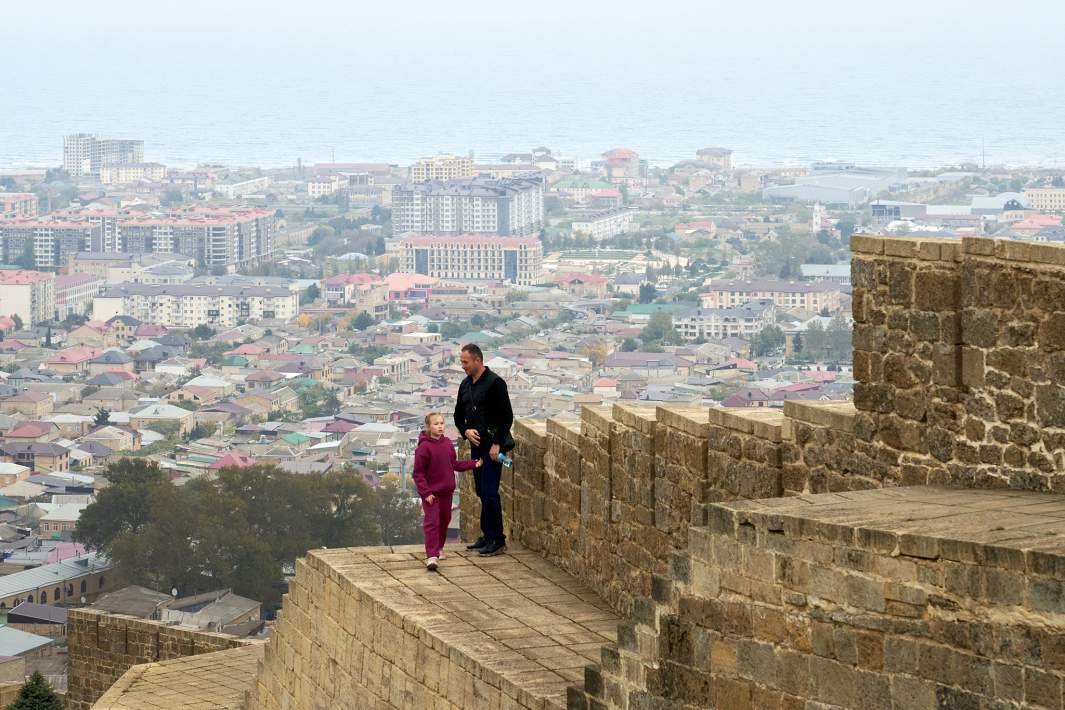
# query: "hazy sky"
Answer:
x=368 y=79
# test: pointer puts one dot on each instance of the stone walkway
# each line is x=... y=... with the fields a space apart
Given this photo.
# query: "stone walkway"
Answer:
x=209 y=681
x=514 y=614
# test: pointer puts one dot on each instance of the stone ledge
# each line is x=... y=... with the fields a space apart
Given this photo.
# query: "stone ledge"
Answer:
x=221 y=680
x=508 y=631
x=760 y=422
x=1020 y=531
x=834 y=415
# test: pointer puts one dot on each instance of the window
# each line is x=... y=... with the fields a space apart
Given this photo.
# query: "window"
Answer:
x=101 y=581
x=84 y=586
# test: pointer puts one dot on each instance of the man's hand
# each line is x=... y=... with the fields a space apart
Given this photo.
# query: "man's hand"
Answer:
x=473 y=437
x=430 y=499
x=493 y=453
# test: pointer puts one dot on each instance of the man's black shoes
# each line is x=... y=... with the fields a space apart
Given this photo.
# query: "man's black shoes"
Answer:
x=493 y=548
x=481 y=542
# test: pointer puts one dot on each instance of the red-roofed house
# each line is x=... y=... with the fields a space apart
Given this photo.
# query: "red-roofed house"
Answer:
x=247 y=350
x=583 y=285
x=72 y=360
x=92 y=334
x=149 y=330
x=6 y=323
x=33 y=431
x=605 y=387
x=232 y=459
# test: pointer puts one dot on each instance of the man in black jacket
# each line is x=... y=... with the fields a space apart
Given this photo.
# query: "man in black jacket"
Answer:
x=483 y=416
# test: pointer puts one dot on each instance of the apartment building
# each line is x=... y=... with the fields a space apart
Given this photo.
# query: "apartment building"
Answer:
x=18 y=205
x=123 y=173
x=85 y=155
x=511 y=207
x=603 y=225
x=471 y=257
x=1045 y=198
x=367 y=292
x=738 y=322
x=213 y=236
x=189 y=305
x=240 y=188
x=323 y=185
x=808 y=296
x=28 y=294
x=51 y=241
x=74 y=293
x=720 y=158
x=441 y=167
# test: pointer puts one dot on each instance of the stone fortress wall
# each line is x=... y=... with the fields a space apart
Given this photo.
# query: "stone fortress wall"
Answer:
x=906 y=550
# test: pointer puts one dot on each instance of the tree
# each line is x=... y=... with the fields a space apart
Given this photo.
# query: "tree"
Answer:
x=597 y=351
x=48 y=337
x=659 y=329
x=103 y=417
x=123 y=507
x=311 y=294
x=36 y=694
x=171 y=197
x=629 y=345
x=647 y=293
x=202 y=332
x=317 y=401
x=18 y=321
x=363 y=321
x=767 y=340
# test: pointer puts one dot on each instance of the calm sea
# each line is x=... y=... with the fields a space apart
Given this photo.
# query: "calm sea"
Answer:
x=836 y=99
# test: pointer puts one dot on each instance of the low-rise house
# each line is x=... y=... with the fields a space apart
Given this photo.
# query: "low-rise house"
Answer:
x=65 y=581
x=115 y=438
x=37 y=456
x=12 y=473
x=225 y=413
x=263 y=380
x=193 y=394
x=33 y=431
x=123 y=328
x=60 y=519
x=113 y=399
x=109 y=361
x=72 y=360
x=30 y=404
x=151 y=414
x=93 y=334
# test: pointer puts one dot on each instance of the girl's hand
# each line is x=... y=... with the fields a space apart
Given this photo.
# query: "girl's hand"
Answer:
x=478 y=463
x=430 y=499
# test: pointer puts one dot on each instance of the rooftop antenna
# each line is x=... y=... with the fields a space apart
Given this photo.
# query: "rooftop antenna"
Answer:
x=983 y=154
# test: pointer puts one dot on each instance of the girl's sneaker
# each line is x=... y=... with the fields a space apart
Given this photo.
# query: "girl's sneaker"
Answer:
x=441 y=556
x=430 y=564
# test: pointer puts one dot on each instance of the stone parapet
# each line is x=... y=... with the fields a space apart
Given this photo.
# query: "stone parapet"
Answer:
x=370 y=628
x=959 y=357
x=102 y=647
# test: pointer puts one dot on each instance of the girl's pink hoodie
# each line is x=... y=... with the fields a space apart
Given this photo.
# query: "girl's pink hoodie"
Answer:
x=435 y=465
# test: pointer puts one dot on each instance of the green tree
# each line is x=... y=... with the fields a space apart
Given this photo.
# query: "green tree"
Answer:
x=317 y=401
x=767 y=340
x=629 y=345
x=123 y=507
x=659 y=329
x=202 y=332
x=18 y=321
x=362 y=321
x=36 y=694
x=814 y=342
x=647 y=293
x=311 y=294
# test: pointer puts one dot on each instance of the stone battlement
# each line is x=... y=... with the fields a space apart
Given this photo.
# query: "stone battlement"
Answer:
x=901 y=551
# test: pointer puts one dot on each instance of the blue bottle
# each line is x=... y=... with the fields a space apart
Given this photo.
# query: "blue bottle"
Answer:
x=505 y=460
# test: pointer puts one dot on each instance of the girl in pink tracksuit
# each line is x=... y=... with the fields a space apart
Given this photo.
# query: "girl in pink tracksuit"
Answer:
x=434 y=474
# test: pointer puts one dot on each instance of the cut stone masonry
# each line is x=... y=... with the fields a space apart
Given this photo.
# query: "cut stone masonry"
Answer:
x=901 y=551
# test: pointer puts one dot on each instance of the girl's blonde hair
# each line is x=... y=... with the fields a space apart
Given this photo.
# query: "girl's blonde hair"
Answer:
x=429 y=418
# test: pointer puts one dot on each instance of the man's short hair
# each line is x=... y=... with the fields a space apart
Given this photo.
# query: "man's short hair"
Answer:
x=474 y=350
